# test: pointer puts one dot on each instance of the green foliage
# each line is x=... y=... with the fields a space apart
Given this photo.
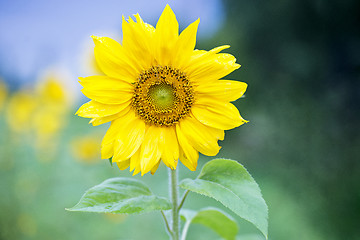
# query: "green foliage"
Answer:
x=228 y=182
x=120 y=195
x=214 y=218
x=250 y=237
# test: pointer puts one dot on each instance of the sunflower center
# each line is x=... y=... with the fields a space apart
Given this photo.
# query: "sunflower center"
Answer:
x=162 y=96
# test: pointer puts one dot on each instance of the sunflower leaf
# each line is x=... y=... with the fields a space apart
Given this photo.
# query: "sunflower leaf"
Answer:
x=120 y=195
x=228 y=182
x=214 y=218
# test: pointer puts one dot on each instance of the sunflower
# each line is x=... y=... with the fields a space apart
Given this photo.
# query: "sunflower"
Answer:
x=163 y=98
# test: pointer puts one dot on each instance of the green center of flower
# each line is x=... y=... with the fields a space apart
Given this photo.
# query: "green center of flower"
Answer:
x=162 y=96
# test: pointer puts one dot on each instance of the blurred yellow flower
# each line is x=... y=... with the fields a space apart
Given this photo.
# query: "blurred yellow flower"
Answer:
x=40 y=111
x=86 y=149
x=48 y=120
x=50 y=115
x=27 y=225
x=163 y=98
x=51 y=91
x=19 y=110
x=88 y=62
x=3 y=93
x=115 y=218
x=27 y=185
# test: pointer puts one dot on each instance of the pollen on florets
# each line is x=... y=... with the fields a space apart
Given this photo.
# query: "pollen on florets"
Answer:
x=162 y=96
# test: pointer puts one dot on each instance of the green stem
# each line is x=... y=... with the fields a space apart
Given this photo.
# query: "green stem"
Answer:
x=166 y=223
x=183 y=200
x=174 y=191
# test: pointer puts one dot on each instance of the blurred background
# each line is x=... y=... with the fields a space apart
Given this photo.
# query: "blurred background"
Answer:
x=300 y=58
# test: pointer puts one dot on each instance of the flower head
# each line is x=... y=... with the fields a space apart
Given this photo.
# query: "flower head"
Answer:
x=163 y=98
x=86 y=148
x=19 y=110
x=41 y=111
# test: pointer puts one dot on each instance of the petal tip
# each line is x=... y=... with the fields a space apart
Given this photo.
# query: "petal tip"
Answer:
x=168 y=13
x=95 y=37
x=168 y=8
x=197 y=21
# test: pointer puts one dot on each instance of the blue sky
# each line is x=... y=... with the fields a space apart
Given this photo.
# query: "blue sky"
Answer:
x=39 y=34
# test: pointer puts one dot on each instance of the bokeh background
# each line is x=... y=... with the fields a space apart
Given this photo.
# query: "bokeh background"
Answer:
x=301 y=59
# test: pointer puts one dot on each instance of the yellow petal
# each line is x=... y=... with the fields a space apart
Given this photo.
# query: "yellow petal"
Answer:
x=198 y=56
x=216 y=66
x=135 y=162
x=106 y=90
x=188 y=155
x=113 y=61
x=150 y=150
x=136 y=171
x=107 y=144
x=217 y=133
x=130 y=135
x=153 y=170
x=225 y=90
x=209 y=66
x=124 y=164
x=217 y=114
x=165 y=37
x=105 y=83
x=101 y=120
x=93 y=109
x=169 y=147
x=187 y=162
x=185 y=44
x=199 y=137
x=108 y=97
x=137 y=41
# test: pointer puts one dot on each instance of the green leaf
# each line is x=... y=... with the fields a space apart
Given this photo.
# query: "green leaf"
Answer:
x=214 y=218
x=250 y=237
x=110 y=161
x=228 y=182
x=120 y=195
